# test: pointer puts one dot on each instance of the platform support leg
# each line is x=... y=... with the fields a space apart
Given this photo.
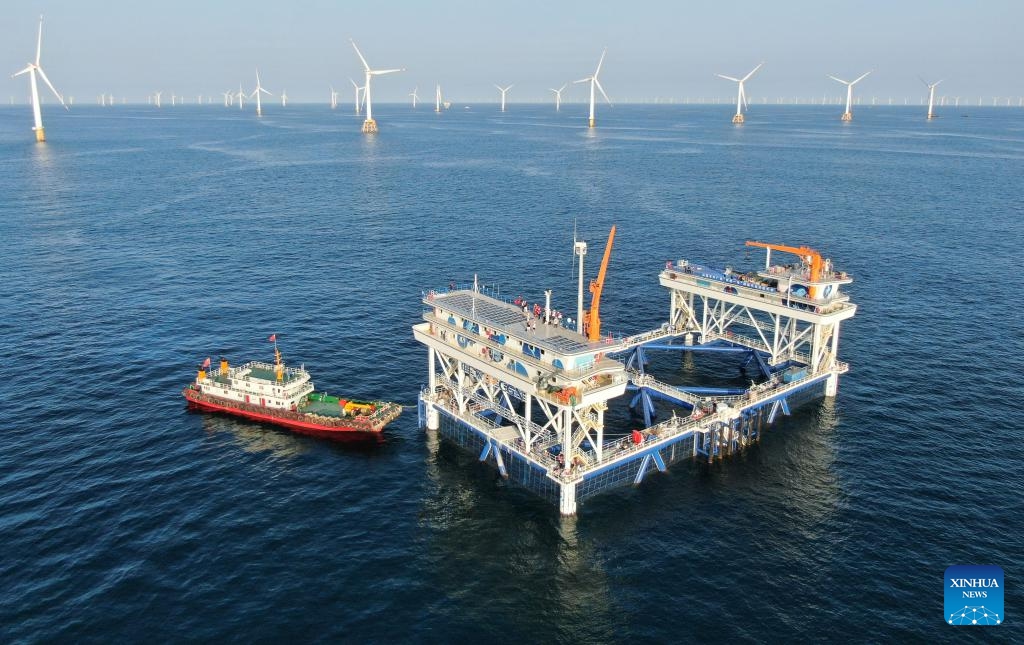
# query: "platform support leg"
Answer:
x=567 y=499
x=433 y=417
x=832 y=385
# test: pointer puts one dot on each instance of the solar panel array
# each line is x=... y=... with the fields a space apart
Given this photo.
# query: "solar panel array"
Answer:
x=490 y=312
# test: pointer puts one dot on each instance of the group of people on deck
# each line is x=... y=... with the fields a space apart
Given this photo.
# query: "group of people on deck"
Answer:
x=535 y=313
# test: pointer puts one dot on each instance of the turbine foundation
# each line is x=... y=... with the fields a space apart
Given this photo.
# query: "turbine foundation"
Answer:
x=738 y=118
x=40 y=134
x=370 y=126
x=592 y=123
x=847 y=116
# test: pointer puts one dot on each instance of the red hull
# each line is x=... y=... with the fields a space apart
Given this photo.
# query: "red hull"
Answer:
x=303 y=427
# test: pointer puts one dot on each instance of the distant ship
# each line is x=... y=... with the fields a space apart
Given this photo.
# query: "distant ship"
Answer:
x=284 y=396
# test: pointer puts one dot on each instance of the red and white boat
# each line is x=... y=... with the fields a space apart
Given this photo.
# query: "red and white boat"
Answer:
x=284 y=396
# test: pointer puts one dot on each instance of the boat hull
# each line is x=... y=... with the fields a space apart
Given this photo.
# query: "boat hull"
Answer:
x=291 y=420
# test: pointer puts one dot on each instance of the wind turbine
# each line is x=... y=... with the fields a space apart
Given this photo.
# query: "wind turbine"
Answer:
x=595 y=83
x=504 y=91
x=284 y=98
x=437 y=98
x=848 y=115
x=156 y=97
x=334 y=98
x=369 y=125
x=558 y=96
x=415 y=97
x=32 y=70
x=256 y=93
x=931 y=96
x=741 y=94
x=357 y=90
x=241 y=97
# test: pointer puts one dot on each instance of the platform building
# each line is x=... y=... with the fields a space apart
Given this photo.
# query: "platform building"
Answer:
x=531 y=396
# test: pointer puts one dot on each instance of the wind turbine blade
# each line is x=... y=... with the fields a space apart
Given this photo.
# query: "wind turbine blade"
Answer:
x=747 y=77
x=583 y=80
x=838 y=79
x=24 y=71
x=378 y=72
x=360 y=54
x=743 y=97
x=860 y=78
x=354 y=84
x=937 y=82
x=600 y=62
x=39 y=42
x=52 y=88
x=563 y=87
x=728 y=78
x=598 y=84
x=265 y=92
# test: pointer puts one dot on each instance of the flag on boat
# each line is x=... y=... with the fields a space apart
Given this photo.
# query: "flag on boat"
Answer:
x=206 y=363
x=273 y=338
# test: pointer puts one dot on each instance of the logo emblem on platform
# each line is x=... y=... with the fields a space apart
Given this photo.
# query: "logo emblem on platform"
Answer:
x=974 y=595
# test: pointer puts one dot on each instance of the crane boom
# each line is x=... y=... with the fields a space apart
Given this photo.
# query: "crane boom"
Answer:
x=593 y=320
x=805 y=253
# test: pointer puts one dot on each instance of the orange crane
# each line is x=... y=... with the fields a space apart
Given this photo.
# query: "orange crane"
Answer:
x=806 y=254
x=592 y=322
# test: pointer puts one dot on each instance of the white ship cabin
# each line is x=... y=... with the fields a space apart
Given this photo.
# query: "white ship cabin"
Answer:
x=266 y=385
x=516 y=346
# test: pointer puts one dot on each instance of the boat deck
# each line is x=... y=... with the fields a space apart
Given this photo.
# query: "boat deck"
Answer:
x=322 y=408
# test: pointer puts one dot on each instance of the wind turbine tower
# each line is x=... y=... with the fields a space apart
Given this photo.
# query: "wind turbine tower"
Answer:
x=256 y=93
x=415 y=96
x=595 y=83
x=504 y=91
x=357 y=90
x=741 y=94
x=284 y=98
x=558 y=97
x=32 y=70
x=369 y=125
x=156 y=97
x=931 y=97
x=437 y=99
x=848 y=114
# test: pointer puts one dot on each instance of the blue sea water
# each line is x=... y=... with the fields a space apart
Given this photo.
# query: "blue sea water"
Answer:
x=137 y=242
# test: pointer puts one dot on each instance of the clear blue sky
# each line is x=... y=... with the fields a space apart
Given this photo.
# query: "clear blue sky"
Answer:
x=655 y=48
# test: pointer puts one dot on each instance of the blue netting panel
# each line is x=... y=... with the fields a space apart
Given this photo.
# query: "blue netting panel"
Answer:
x=519 y=470
x=625 y=474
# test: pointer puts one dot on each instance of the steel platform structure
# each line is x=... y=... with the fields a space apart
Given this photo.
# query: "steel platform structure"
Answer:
x=531 y=396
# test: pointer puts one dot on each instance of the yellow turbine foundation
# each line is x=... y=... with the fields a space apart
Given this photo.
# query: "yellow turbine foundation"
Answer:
x=847 y=116
x=738 y=118
x=40 y=134
x=592 y=123
x=370 y=126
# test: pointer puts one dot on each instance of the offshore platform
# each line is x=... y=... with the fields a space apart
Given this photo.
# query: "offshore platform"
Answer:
x=529 y=390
